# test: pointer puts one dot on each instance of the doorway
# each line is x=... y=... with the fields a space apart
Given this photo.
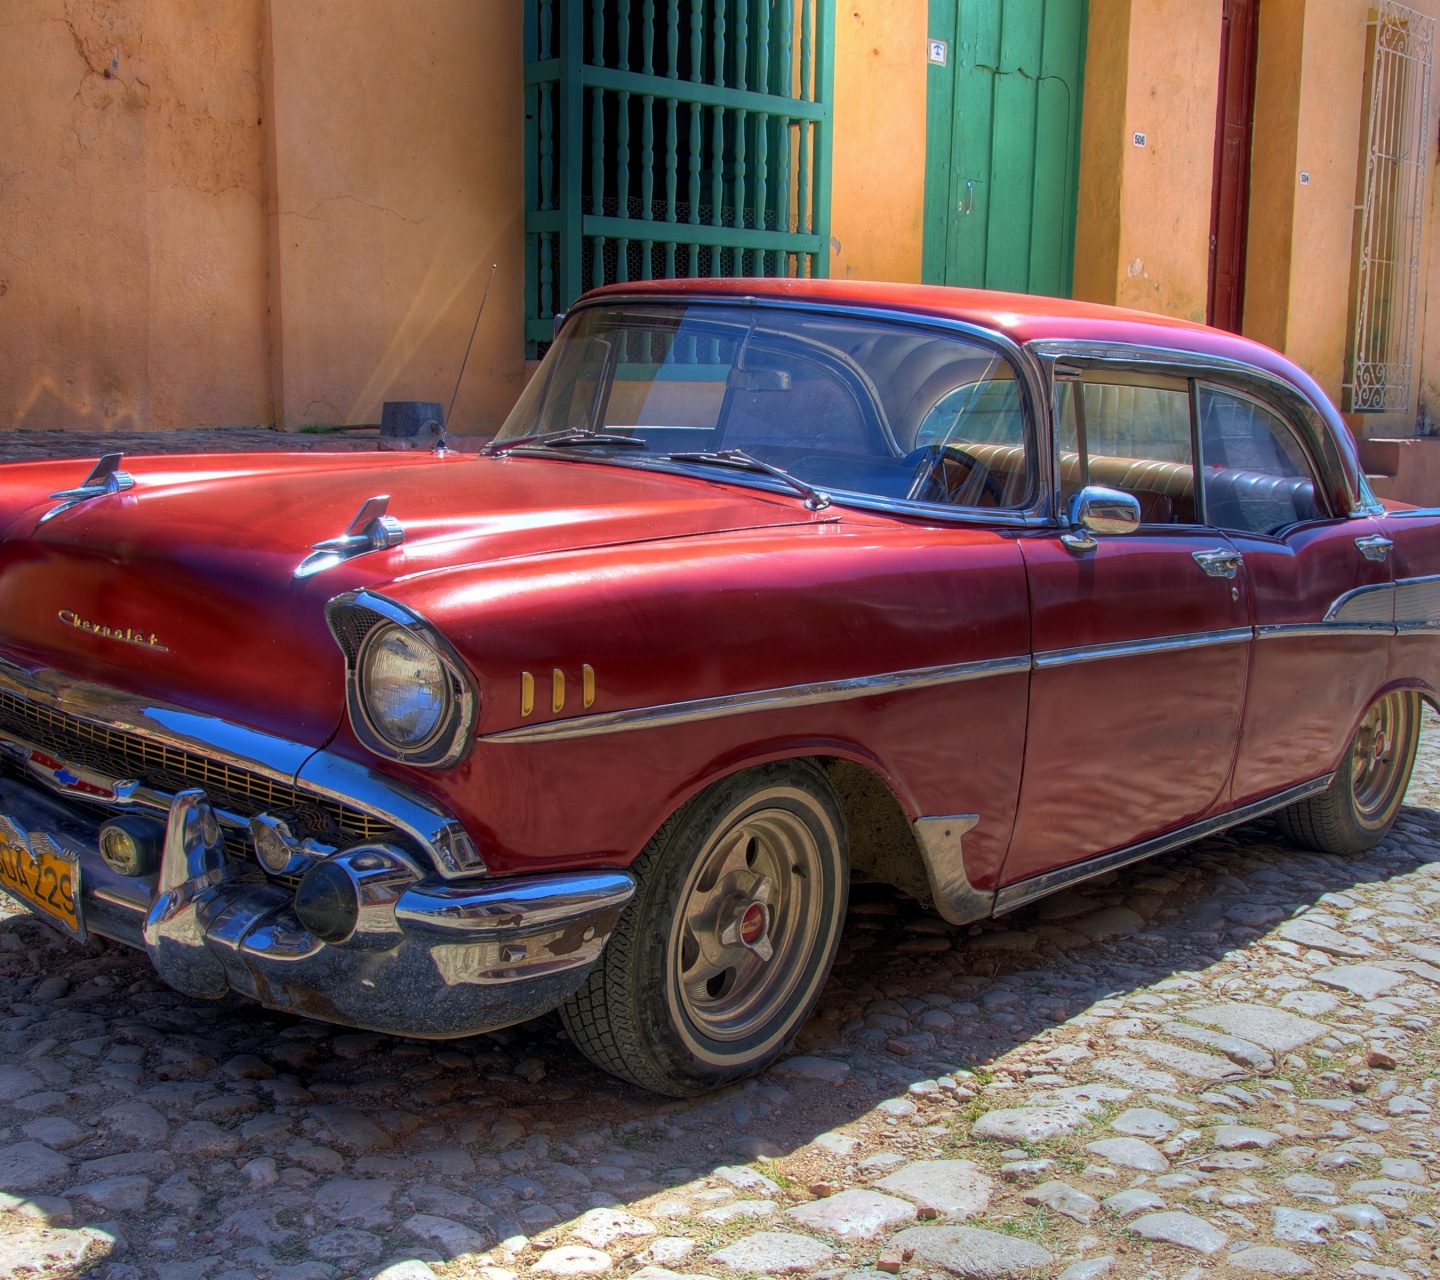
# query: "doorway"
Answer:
x=1230 y=193
x=1003 y=143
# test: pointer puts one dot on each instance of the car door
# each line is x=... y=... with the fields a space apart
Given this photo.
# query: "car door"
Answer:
x=1319 y=591
x=1140 y=640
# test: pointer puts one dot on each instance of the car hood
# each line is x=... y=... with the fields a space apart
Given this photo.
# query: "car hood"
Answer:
x=183 y=589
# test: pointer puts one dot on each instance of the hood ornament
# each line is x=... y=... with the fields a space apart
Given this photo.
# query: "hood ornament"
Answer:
x=371 y=530
x=106 y=477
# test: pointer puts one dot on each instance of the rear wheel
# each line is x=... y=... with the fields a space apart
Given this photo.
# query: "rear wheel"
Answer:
x=1357 y=809
x=718 y=960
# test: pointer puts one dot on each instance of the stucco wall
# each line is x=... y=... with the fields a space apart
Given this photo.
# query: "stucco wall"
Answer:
x=1143 y=222
x=1309 y=115
x=877 y=198
x=132 y=234
x=398 y=181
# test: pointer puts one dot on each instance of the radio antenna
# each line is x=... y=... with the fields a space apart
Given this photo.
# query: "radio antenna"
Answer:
x=494 y=266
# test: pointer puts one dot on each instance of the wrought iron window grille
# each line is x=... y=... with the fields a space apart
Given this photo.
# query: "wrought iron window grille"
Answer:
x=673 y=138
x=1386 y=286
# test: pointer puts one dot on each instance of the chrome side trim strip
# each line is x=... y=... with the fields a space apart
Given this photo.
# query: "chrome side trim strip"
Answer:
x=730 y=704
x=1417 y=604
x=439 y=833
x=1026 y=891
x=1295 y=630
x=941 y=847
x=1365 y=604
x=1412 y=514
x=1128 y=648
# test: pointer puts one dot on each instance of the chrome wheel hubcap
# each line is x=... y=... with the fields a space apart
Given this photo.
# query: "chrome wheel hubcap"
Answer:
x=748 y=917
x=1378 y=758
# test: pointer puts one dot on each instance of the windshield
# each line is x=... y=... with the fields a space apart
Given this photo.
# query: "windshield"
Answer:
x=847 y=404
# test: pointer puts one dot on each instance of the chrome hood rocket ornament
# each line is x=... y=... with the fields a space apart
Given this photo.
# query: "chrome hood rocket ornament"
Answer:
x=105 y=477
x=371 y=530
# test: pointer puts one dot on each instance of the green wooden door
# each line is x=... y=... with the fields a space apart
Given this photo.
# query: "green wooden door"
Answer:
x=1003 y=143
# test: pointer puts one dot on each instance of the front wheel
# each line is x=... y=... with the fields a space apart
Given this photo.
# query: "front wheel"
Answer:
x=1354 y=813
x=718 y=960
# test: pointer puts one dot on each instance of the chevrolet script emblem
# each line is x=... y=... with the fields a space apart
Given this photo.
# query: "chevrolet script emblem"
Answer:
x=124 y=634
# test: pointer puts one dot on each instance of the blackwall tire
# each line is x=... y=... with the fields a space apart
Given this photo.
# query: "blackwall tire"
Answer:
x=1358 y=809
x=720 y=956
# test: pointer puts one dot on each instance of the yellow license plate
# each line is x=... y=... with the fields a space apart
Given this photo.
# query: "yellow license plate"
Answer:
x=42 y=875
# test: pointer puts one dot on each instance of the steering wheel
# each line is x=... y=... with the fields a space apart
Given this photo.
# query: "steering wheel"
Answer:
x=936 y=479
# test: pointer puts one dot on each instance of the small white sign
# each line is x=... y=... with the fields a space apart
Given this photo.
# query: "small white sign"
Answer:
x=1138 y=138
x=940 y=52
x=1304 y=177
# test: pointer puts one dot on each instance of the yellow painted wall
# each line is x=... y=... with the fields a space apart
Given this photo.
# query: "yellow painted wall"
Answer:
x=132 y=233
x=1143 y=225
x=398 y=181
x=878 y=190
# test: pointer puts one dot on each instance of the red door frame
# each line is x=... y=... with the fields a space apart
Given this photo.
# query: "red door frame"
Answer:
x=1230 y=191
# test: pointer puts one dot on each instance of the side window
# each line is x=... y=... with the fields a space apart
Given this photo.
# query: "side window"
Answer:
x=1132 y=434
x=969 y=448
x=1257 y=476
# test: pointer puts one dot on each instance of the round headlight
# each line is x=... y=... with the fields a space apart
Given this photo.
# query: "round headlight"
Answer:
x=405 y=687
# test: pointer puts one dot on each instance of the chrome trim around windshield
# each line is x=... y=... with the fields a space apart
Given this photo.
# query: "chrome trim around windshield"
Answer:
x=730 y=704
x=1039 y=511
x=294 y=764
x=1130 y=648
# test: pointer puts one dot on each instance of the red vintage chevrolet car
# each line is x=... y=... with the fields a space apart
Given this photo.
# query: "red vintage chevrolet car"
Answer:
x=763 y=585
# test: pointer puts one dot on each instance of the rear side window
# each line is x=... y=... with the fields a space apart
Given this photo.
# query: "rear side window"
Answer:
x=1131 y=434
x=1258 y=478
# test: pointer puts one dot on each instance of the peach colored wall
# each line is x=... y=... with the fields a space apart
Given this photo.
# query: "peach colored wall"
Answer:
x=877 y=201
x=132 y=266
x=398 y=181
x=1143 y=227
x=1310 y=112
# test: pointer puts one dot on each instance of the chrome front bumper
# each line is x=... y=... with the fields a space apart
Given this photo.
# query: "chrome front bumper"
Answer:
x=430 y=957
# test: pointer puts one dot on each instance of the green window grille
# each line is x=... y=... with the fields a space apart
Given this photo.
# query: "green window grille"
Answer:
x=673 y=138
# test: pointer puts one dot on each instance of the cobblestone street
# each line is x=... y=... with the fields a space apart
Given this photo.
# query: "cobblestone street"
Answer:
x=1217 y=1062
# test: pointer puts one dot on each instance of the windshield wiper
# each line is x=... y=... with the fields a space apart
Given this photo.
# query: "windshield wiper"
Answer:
x=815 y=500
x=564 y=440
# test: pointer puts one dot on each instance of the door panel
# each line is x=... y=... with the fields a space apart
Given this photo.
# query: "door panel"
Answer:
x=1309 y=680
x=1124 y=746
x=1003 y=130
x=1415 y=651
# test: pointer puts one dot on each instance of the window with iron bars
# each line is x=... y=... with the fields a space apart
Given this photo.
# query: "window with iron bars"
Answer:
x=673 y=138
x=1385 y=291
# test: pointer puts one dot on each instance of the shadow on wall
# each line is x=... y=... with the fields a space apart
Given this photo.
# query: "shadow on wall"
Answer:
x=49 y=405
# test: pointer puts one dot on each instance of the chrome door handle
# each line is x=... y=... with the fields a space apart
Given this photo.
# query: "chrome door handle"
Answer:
x=1375 y=547
x=1219 y=563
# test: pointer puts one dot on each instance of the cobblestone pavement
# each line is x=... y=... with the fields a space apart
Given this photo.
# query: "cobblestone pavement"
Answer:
x=1217 y=1062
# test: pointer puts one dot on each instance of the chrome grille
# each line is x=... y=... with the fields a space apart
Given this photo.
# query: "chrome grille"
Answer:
x=163 y=767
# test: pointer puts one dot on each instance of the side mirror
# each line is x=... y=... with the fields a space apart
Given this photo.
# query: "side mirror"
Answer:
x=1096 y=509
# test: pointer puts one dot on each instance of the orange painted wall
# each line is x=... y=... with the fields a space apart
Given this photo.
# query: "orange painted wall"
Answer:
x=398 y=181
x=877 y=197
x=1143 y=225
x=132 y=233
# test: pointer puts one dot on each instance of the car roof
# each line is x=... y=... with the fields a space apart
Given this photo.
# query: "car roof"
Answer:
x=1023 y=318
